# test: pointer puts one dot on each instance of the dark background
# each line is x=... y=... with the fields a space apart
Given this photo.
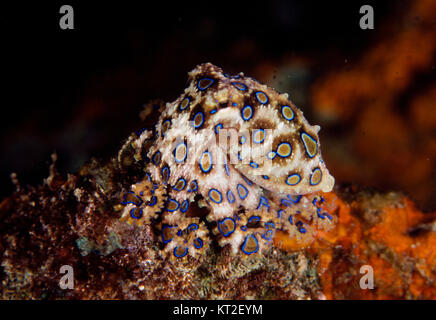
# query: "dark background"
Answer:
x=78 y=92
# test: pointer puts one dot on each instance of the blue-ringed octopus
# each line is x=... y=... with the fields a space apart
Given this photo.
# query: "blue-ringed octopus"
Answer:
x=238 y=151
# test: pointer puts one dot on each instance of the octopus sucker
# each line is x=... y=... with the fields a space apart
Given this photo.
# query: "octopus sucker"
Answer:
x=239 y=152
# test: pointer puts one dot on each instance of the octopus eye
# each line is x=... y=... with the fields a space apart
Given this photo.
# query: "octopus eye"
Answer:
x=215 y=196
x=204 y=83
x=309 y=144
x=247 y=113
x=250 y=245
x=284 y=149
x=316 y=177
x=262 y=97
x=242 y=191
x=227 y=226
x=293 y=179
x=288 y=113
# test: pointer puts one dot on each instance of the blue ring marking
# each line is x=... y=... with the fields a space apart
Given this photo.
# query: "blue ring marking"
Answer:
x=179 y=233
x=228 y=233
x=199 y=113
x=132 y=213
x=290 y=149
x=226 y=167
x=219 y=125
x=182 y=255
x=219 y=193
x=148 y=176
x=213 y=111
x=265 y=177
x=166 y=169
x=302 y=230
x=286 y=202
x=328 y=216
x=162 y=234
x=291 y=221
x=283 y=114
x=167 y=120
x=131 y=202
x=293 y=175
x=254 y=135
x=200 y=245
x=239 y=187
x=258 y=93
x=183 y=187
x=254 y=165
x=141 y=193
x=192 y=227
x=201 y=88
x=270 y=225
x=186 y=152
x=154 y=160
x=211 y=162
x=271 y=155
x=243 y=112
x=195 y=186
x=314 y=201
x=240 y=86
x=234 y=104
x=279 y=213
x=320 y=213
x=255 y=218
x=246 y=180
x=263 y=202
x=296 y=199
x=245 y=243
x=244 y=228
x=305 y=145
x=187 y=105
x=311 y=176
x=184 y=206
x=230 y=196
x=242 y=140
x=153 y=201
x=173 y=201
x=239 y=156
x=268 y=235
